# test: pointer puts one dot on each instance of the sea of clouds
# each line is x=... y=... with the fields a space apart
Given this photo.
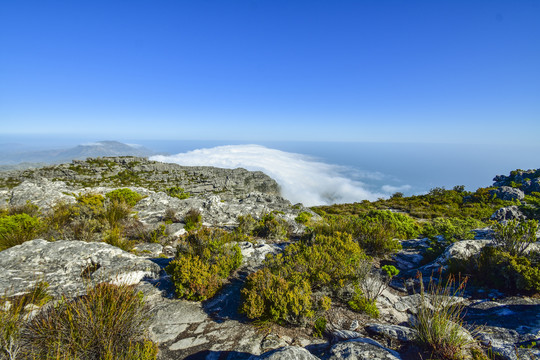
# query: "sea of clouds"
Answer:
x=303 y=179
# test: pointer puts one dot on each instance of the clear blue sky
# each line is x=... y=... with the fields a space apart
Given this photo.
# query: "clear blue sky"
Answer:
x=414 y=71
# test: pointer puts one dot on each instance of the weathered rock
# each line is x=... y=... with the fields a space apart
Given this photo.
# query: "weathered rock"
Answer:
x=43 y=193
x=398 y=332
x=460 y=250
x=508 y=193
x=148 y=249
x=254 y=254
x=362 y=349
x=508 y=213
x=70 y=266
x=508 y=343
x=287 y=353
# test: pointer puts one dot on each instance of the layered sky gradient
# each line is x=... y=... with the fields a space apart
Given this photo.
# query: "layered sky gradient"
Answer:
x=412 y=71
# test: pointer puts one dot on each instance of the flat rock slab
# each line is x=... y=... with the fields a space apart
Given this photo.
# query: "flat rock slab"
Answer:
x=70 y=267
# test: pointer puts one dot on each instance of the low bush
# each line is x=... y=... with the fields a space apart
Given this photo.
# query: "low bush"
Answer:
x=106 y=323
x=515 y=237
x=282 y=291
x=16 y=229
x=303 y=218
x=271 y=227
x=319 y=327
x=271 y=297
x=192 y=220
x=360 y=303
x=177 y=192
x=452 y=229
x=124 y=195
x=202 y=262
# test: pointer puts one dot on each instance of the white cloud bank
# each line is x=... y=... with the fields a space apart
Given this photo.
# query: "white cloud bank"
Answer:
x=302 y=179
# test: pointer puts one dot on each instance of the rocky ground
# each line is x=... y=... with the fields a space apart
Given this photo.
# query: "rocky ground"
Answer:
x=214 y=329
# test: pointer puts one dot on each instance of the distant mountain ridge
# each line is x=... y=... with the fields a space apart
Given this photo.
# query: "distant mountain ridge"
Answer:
x=19 y=159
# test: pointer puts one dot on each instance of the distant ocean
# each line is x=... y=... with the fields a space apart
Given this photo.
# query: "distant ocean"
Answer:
x=374 y=169
x=335 y=172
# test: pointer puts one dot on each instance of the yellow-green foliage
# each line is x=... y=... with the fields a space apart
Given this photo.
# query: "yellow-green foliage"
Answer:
x=375 y=236
x=269 y=226
x=361 y=303
x=125 y=195
x=192 y=220
x=319 y=327
x=439 y=202
x=16 y=229
x=514 y=236
x=452 y=229
x=193 y=278
x=270 y=297
x=303 y=218
x=281 y=291
x=107 y=323
x=203 y=260
x=504 y=271
x=177 y=192
x=93 y=203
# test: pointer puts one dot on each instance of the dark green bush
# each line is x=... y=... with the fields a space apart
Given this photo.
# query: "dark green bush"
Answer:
x=125 y=195
x=203 y=260
x=16 y=229
x=192 y=220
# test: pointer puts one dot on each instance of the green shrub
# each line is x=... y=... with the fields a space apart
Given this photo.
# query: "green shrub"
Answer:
x=303 y=218
x=452 y=229
x=270 y=297
x=16 y=229
x=177 y=192
x=281 y=291
x=319 y=327
x=401 y=226
x=246 y=224
x=92 y=203
x=514 y=236
x=271 y=227
x=124 y=195
x=192 y=220
x=361 y=303
x=115 y=237
x=116 y=212
x=203 y=260
x=107 y=323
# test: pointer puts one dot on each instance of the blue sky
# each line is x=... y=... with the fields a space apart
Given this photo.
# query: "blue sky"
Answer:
x=382 y=71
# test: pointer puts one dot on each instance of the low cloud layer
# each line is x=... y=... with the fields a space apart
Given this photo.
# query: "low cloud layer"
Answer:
x=302 y=179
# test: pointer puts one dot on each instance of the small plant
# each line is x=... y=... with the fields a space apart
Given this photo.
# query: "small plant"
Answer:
x=439 y=320
x=319 y=327
x=177 y=192
x=16 y=229
x=271 y=227
x=192 y=220
x=514 y=236
x=303 y=218
x=170 y=216
x=360 y=303
x=116 y=238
